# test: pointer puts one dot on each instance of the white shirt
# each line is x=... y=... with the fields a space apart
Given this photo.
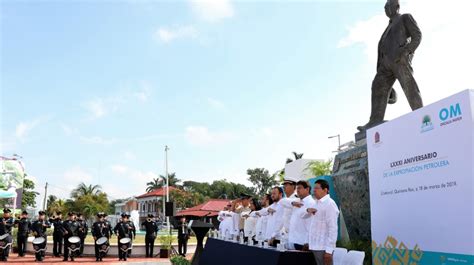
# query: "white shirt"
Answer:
x=261 y=225
x=275 y=221
x=250 y=225
x=227 y=224
x=288 y=209
x=323 y=228
x=299 y=226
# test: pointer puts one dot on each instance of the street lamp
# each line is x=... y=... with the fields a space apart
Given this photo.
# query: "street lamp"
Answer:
x=167 y=183
x=338 y=142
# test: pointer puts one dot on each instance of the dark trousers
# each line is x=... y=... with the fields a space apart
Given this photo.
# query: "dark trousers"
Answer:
x=182 y=244
x=57 y=244
x=149 y=245
x=21 y=242
x=83 y=238
x=387 y=73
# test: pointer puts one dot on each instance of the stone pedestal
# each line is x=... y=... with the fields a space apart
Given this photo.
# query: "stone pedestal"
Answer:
x=351 y=182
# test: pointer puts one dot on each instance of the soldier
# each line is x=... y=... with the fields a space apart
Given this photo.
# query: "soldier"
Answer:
x=38 y=228
x=122 y=230
x=134 y=232
x=83 y=230
x=57 y=234
x=98 y=230
x=151 y=229
x=70 y=229
x=6 y=224
x=24 y=226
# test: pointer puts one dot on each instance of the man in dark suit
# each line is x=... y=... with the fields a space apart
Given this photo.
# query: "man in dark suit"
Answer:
x=183 y=236
x=395 y=52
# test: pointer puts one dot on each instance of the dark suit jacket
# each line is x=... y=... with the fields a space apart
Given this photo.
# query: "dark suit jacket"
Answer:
x=401 y=38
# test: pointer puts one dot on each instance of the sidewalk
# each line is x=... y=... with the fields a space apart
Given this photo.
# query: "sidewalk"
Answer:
x=29 y=259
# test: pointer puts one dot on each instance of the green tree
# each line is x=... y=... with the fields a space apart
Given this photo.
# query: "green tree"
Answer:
x=320 y=168
x=262 y=180
x=56 y=206
x=156 y=183
x=83 y=189
x=160 y=182
x=185 y=199
x=29 y=195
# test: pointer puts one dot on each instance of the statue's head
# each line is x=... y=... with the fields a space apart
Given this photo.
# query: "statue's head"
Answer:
x=392 y=7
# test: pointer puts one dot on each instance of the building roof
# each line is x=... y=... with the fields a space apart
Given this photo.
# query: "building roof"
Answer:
x=209 y=208
x=161 y=192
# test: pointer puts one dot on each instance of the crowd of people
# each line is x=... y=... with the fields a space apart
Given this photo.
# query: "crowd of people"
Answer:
x=290 y=215
x=69 y=235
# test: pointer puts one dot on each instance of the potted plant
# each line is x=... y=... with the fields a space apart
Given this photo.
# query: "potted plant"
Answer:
x=165 y=240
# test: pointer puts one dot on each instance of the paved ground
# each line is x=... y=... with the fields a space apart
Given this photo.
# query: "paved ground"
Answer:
x=30 y=259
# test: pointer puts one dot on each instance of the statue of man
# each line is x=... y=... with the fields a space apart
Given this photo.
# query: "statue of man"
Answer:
x=395 y=52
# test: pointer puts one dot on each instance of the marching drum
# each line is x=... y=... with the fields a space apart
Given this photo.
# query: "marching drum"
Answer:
x=103 y=244
x=74 y=243
x=125 y=244
x=4 y=241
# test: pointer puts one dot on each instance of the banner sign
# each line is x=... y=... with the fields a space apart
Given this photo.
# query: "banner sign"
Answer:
x=422 y=186
x=12 y=175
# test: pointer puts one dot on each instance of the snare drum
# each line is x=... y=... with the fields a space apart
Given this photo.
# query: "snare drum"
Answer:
x=38 y=241
x=39 y=244
x=102 y=244
x=74 y=243
x=125 y=244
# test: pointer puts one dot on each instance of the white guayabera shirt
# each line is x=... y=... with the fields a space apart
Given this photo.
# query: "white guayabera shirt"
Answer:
x=299 y=226
x=275 y=221
x=288 y=209
x=261 y=225
x=323 y=228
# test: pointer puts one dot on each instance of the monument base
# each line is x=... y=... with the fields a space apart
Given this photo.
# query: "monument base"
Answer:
x=350 y=176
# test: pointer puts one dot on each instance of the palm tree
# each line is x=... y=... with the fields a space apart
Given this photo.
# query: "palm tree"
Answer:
x=56 y=206
x=296 y=155
x=320 y=168
x=51 y=199
x=83 y=189
x=160 y=182
x=155 y=184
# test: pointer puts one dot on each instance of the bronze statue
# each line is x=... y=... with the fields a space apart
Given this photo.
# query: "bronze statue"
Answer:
x=395 y=52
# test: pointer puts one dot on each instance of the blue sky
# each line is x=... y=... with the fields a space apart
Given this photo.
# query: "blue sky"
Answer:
x=92 y=91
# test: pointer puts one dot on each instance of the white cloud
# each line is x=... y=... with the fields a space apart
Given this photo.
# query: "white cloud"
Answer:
x=167 y=35
x=366 y=33
x=443 y=61
x=212 y=10
x=201 y=136
x=215 y=103
x=100 y=107
x=24 y=128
